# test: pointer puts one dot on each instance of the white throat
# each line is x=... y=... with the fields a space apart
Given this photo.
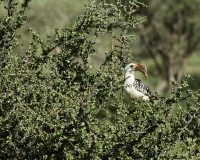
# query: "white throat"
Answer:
x=129 y=77
x=130 y=89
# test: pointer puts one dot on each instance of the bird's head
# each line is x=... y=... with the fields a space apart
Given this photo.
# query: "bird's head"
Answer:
x=131 y=67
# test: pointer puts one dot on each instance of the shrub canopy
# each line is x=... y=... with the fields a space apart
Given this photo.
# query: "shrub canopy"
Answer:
x=54 y=106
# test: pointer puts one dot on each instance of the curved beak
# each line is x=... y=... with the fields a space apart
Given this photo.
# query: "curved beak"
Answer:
x=138 y=67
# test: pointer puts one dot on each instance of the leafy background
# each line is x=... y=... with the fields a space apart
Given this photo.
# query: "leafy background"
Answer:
x=61 y=79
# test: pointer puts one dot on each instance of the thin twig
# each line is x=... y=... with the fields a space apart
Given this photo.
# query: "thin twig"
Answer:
x=188 y=122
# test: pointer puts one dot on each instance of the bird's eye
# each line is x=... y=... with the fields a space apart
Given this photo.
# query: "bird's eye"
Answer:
x=131 y=66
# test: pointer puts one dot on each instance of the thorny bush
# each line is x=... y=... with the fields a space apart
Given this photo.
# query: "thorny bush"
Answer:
x=53 y=106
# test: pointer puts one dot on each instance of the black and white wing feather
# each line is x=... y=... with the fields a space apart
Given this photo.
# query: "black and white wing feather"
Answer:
x=141 y=87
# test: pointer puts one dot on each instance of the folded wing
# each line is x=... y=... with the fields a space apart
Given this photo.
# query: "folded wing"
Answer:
x=141 y=87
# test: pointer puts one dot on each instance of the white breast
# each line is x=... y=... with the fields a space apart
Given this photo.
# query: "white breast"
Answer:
x=130 y=89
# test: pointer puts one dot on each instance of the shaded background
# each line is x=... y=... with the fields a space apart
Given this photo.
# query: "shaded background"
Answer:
x=167 y=43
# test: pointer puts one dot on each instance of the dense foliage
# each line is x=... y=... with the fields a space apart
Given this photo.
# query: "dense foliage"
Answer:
x=53 y=106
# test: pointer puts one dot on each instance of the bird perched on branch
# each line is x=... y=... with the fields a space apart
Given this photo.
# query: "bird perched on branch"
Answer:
x=134 y=87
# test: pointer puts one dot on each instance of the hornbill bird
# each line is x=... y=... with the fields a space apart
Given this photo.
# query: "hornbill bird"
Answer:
x=134 y=87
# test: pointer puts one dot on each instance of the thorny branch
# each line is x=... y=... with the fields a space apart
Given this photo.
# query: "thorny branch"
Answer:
x=163 y=153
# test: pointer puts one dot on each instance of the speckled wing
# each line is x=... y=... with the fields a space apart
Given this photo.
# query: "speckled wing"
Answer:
x=141 y=87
